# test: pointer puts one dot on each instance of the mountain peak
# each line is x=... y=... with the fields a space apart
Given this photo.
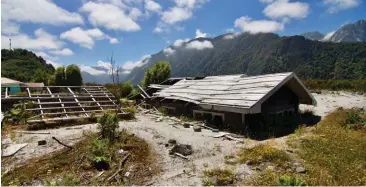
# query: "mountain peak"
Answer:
x=314 y=35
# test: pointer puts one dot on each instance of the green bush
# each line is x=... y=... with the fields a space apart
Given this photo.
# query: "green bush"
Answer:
x=18 y=114
x=132 y=112
x=286 y=180
x=125 y=89
x=108 y=124
x=163 y=110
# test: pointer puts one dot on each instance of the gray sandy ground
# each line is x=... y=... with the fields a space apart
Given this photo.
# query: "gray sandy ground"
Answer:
x=176 y=171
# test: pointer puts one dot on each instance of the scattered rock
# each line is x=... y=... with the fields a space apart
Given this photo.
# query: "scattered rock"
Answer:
x=42 y=142
x=159 y=119
x=300 y=170
x=290 y=150
x=182 y=149
x=166 y=145
x=297 y=164
x=215 y=130
x=121 y=151
x=197 y=128
x=172 y=141
x=186 y=125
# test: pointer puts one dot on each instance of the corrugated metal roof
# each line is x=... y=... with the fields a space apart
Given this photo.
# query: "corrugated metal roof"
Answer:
x=5 y=80
x=232 y=90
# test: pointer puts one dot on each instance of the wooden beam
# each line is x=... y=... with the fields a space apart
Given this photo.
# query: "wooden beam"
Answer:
x=40 y=106
x=73 y=112
x=69 y=107
x=49 y=91
x=93 y=98
x=113 y=102
x=6 y=92
x=74 y=102
x=86 y=114
x=29 y=93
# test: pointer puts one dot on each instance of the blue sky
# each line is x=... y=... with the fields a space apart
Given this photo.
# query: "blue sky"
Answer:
x=86 y=32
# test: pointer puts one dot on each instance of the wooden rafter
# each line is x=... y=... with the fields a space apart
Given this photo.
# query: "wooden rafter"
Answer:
x=86 y=114
x=93 y=98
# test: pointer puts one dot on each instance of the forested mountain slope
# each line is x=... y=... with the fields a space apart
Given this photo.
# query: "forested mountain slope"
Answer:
x=261 y=54
x=23 y=65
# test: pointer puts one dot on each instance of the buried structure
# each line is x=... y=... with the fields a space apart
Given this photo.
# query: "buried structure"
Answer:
x=61 y=103
x=235 y=101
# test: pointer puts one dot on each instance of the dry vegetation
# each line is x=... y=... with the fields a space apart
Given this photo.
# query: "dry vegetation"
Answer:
x=333 y=153
x=109 y=157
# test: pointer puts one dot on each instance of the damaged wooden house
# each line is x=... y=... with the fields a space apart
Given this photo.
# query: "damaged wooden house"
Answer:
x=233 y=101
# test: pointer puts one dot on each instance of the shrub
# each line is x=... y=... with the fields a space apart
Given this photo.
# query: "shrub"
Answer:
x=125 y=89
x=99 y=151
x=286 y=180
x=132 y=112
x=263 y=153
x=162 y=110
x=18 y=114
x=108 y=124
x=223 y=177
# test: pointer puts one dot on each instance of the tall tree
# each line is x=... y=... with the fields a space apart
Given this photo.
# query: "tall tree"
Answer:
x=158 y=73
x=73 y=76
x=60 y=77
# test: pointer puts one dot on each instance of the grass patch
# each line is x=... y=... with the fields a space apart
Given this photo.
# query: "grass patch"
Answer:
x=336 y=85
x=132 y=110
x=75 y=166
x=263 y=153
x=218 y=177
x=335 y=154
x=272 y=178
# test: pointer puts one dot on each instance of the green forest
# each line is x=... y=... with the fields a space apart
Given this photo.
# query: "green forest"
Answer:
x=24 y=66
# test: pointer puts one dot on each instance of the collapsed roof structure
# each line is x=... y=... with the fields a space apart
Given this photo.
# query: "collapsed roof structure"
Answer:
x=234 y=96
x=60 y=103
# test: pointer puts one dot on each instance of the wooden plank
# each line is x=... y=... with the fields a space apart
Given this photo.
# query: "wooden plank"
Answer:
x=113 y=102
x=86 y=114
x=69 y=107
x=73 y=112
x=29 y=93
x=6 y=93
x=143 y=91
x=94 y=98
x=64 y=119
x=74 y=102
x=40 y=106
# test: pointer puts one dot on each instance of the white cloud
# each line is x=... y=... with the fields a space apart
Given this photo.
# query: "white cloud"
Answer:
x=337 y=5
x=176 y=14
x=328 y=36
x=91 y=70
x=200 y=34
x=113 y=40
x=109 y=16
x=54 y=64
x=85 y=38
x=180 y=42
x=231 y=36
x=286 y=9
x=63 y=52
x=9 y=27
x=168 y=51
x=130 y=65
x=158 y=29
x=246 y=24
x=41 y=41
x=37 y=11
x=152 y=6
x=105 y=65
x=45 y=55
x=190 y=3
x=266 y=1
x=135 y=14
x=199 y=45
